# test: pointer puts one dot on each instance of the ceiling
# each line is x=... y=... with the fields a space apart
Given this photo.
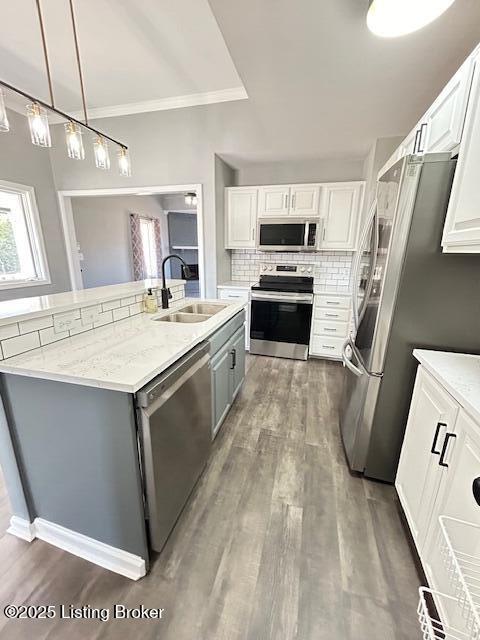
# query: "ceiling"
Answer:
x=319 y=84
x=137 y=55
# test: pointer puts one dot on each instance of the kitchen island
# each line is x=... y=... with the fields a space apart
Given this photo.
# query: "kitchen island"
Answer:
x=75 y=458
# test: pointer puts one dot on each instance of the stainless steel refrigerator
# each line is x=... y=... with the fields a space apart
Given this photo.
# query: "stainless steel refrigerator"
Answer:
x=406 y=294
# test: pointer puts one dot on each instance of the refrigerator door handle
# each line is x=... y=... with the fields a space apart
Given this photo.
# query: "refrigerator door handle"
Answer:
x=371 y=220
x=347 y=353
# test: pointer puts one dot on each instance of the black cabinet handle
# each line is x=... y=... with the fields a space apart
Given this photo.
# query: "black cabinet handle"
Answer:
x=435 y=438
x=442 y=462
x=233 y=353
x=476 y=490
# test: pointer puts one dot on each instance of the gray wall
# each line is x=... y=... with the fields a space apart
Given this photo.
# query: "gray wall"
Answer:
x=315 y=170
x=24 y=163
x=224 y=177
x=103 y=232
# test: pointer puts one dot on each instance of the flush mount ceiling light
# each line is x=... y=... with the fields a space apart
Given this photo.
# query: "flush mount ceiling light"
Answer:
x=37 y=114
x=191 y=199
x=392 y=18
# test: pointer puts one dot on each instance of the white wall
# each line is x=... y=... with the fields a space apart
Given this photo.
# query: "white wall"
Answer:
x=103 y=232
x=24 y=163
x=224 y=177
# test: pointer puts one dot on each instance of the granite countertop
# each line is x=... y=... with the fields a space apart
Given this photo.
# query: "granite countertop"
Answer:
x=122 y=356
x=26 y=308
x=458 y=373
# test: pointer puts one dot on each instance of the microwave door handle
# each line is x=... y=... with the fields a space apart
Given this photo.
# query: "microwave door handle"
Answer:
x=305 y=235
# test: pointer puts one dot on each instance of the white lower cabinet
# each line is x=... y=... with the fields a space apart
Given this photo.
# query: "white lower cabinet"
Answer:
x=439 y=464
x=330 y=325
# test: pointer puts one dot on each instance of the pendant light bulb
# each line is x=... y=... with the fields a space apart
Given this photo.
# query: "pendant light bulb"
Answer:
x=73 y=135
x=124 y=164
x=38 y=123
x=4 y=126
x=100 y=149
x=392 y=18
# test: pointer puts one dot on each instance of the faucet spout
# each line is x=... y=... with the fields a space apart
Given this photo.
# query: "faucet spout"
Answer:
x=166 y=294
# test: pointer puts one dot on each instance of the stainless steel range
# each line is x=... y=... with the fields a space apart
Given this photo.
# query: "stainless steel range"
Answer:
x=281 y=311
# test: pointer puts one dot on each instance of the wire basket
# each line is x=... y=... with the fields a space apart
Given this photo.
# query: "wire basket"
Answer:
x=460 y=546
x=430 y=624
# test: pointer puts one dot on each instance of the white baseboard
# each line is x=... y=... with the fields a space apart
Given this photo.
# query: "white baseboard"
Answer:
x=21 y=528
x=122 y=562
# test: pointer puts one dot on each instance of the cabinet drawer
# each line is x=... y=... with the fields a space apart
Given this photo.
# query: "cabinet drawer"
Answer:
x=335 y=315
x=332 y=302
x=333 y=329
x=233 y=294
x=325 y=346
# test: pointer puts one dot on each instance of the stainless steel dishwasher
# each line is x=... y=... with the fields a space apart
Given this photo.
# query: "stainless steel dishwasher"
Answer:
x=175 y=418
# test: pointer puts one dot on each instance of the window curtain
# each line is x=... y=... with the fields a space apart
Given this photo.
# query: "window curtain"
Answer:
x=137 y=248
x=158 y=245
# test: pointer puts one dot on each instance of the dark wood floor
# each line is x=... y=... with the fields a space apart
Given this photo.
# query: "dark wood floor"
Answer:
x=278 y=542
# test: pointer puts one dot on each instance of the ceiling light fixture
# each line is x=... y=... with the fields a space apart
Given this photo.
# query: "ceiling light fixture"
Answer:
x=392 y=18
x=191 y=199
x=37 y=114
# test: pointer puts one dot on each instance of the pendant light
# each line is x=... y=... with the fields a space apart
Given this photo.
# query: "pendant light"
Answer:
x=73 y=135
x=4 y=126
x=100 y=150
x=124 y=165
x=38 y=123
x=191 y=199
x=392 y=18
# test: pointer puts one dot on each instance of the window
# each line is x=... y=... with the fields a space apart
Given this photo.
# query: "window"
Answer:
x=22 y=254
x=149 y=246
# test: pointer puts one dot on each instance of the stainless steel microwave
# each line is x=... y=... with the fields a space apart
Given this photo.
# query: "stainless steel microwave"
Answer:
x=280 y=234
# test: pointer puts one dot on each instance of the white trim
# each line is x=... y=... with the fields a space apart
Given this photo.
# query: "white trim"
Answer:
x=21 y=528
x=64 y=199
x=122 y=562
x=162 y=104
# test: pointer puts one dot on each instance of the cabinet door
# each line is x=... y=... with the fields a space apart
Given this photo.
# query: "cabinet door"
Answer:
x=432 y=415
x=445 y=118
x=340 y=209
x=221 y=392
x=456 y=500
x=241 y=219
x=304 y=200
x=461 y=233
x=274 y=201
x=407 y=146
x=237 y=373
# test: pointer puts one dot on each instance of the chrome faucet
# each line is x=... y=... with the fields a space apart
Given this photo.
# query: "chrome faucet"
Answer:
x=166 y=294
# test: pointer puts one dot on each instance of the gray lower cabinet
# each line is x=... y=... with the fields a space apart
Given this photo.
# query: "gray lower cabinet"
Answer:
x=228 y=371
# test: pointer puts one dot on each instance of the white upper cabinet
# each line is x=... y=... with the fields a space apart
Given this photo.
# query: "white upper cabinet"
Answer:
x=443 y=122
x=241 y=217
x=461 y=233
x=340 y=208
x=304 y=200
x=274 y=201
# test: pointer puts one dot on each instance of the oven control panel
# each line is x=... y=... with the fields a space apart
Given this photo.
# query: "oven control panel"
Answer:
x=287 y=269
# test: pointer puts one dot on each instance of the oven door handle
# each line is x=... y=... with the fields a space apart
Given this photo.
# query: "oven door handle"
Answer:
x=299 y=299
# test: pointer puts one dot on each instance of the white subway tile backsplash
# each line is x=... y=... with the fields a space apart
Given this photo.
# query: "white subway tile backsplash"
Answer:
x=119 y=314
x=79 y=326
x=20 y=344
x=125 y=302
x=27 y=326
x=65 y=321
x=103 y=318
x=8 y=331
x=47 y=336
x=111 y=304
x=135 y=308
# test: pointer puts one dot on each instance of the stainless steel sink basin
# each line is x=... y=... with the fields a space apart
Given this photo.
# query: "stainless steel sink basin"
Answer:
x=184 y=317
x=206 y=308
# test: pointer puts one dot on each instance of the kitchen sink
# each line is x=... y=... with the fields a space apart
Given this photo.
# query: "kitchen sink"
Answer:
x=206 y=308
x=184 y=317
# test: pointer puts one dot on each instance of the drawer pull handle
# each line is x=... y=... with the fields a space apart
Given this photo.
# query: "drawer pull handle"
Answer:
x=476 y=490
x=332 y=315
x=327 y=346
x=330 y=329
x=435 y=438
x=332 y=302
x=442 y=462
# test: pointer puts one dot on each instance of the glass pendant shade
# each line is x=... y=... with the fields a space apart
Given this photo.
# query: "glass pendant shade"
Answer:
x=102 y=157
x=392 y=18
x=38 y=123
x=124 y=165
x=191 y=199
x=4 y=126
x=73 y=136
